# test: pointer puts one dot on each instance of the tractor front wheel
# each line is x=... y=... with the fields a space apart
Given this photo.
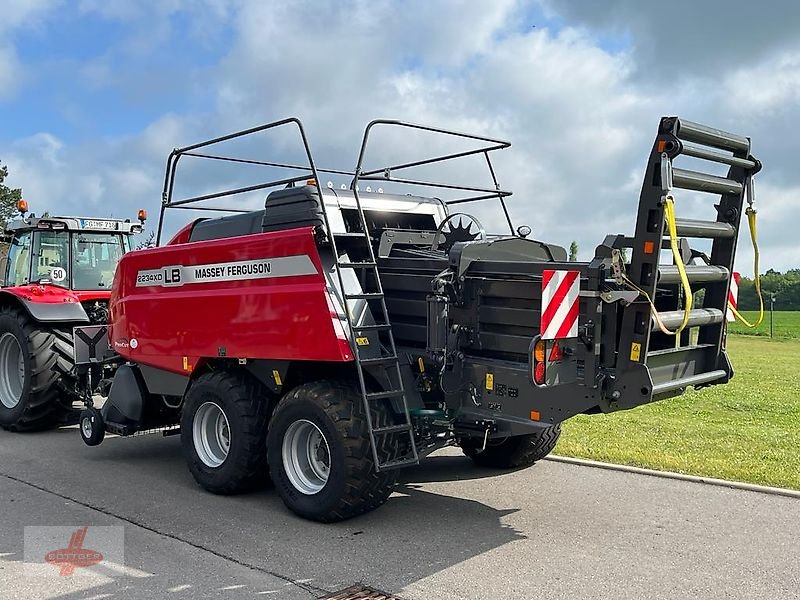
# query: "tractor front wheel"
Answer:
x=32 y=359
x=320 y=456
x=514 y=452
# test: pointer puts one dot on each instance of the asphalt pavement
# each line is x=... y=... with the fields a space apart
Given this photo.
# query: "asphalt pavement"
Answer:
x=451 y=531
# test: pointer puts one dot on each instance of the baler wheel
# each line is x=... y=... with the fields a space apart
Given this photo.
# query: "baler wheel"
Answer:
x=320 y=455
x=92 y=426
x=223 y=431
x=514 y=452
x=33 y=357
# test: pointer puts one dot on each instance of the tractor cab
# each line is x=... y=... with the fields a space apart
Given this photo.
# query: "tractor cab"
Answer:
x=57 y=274
x=72 y=253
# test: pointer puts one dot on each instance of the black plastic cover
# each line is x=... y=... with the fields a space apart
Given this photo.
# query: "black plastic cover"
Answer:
x=225 y=227
x=125 y=404
x=293 y=207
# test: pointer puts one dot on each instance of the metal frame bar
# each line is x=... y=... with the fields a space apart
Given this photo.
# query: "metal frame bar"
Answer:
x=175 y=156
x=492 y=145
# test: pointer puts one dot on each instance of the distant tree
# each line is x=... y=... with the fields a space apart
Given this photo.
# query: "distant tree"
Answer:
x=573 y=251
x=785 y=287
x=8 y=198
x=148 y=242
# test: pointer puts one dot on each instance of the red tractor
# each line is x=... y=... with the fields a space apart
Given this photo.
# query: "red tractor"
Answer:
x=58 y=274
x=342 y=332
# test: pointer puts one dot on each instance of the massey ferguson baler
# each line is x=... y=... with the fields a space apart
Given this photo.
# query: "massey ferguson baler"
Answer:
x=341 y=333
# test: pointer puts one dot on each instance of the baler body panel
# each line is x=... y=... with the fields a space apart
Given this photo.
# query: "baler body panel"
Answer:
x=285 y=314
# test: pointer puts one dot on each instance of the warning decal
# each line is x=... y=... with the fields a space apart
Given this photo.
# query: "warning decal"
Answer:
x=560 y=304
x=733 y=296
x=262 y=268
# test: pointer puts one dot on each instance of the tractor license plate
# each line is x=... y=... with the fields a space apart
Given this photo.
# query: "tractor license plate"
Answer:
x=97 y=224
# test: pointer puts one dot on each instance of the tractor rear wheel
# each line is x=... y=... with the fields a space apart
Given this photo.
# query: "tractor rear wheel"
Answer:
x=514 y=452
x=320 y=456
x=223 y=431
x=33 y=357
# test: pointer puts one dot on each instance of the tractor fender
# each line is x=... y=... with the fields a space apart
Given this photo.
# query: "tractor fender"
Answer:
x=46 y=312
x=125 y=404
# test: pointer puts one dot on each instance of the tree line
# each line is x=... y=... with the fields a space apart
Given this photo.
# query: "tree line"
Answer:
x=785 y=287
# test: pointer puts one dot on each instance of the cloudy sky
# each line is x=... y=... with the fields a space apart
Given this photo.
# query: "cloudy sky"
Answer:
x=95 y=93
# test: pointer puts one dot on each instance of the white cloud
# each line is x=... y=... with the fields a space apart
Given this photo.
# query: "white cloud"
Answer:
x=10 y=73
x=580 y=112
x=24 y=13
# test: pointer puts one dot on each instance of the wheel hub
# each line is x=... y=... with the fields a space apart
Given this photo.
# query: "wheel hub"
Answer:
x=86 y=427
x=12 y=370
x=211 y=434
x=306 y=457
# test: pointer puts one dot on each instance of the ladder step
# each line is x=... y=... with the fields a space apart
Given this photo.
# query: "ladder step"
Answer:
x=719 y=157
x=398 y=463
x=364 y=296
x=386 y=394
x=703 y=182
x=699 y=379
x=698 y=317
x=382 y=360
x=704 y=229
x=668 y=274
x=392 y=429
x=358 y=265
x=379 y=327
x=350 y=234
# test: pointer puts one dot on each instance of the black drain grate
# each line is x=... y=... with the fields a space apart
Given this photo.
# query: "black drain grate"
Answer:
x=360 y=592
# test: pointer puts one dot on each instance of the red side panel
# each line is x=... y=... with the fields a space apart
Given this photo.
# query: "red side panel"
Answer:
x=255 y=296
x=53 y=294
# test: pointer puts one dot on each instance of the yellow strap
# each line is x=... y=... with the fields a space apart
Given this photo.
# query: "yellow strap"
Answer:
x=672 y=228
x=751 y=222
x=688 y=299
x=669 y=216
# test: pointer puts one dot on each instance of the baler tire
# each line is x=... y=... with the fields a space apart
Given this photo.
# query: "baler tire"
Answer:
x=47 y=357
x=92 y=426
x=352 y=485
x=514 y=452
x=244 y=402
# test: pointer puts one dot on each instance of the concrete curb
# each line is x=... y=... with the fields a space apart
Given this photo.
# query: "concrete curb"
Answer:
x=737 y=485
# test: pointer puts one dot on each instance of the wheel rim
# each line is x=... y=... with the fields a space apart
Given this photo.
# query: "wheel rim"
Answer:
x=12 y=370
x=86 y=427
x=212 y=437
x=306 y=457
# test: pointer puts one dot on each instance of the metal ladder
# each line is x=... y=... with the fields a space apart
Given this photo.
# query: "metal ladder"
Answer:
x=403 y=454
x=703 y=361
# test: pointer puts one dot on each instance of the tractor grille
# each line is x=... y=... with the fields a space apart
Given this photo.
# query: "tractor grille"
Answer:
x=97 y=311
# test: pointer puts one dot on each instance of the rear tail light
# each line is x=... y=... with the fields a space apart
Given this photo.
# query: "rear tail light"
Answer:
x=538 y=373
x=555 y=354
x=540 y=351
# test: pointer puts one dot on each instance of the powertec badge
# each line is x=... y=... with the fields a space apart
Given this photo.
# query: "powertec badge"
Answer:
x=177 y=275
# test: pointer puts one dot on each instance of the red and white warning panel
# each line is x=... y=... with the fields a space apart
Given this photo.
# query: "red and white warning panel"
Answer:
x=733 y=296
x=560 y=304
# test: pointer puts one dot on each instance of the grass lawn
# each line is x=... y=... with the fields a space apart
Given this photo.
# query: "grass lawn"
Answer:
x=786 y=324
x=747 y=430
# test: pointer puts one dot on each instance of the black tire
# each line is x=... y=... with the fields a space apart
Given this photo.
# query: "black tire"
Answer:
x=92 y=426
x=353 y=487
x=48 y=361
x=244 y=402
x=514 y=452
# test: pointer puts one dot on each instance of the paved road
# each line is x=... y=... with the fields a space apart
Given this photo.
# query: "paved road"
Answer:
x=451 y=531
